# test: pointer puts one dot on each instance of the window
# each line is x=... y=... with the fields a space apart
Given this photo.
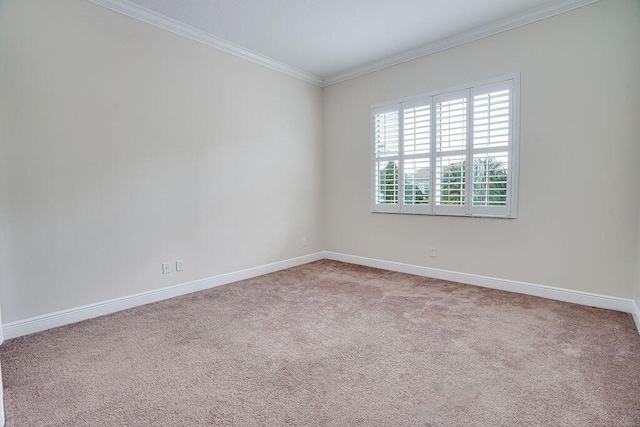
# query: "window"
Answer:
x=454 y=152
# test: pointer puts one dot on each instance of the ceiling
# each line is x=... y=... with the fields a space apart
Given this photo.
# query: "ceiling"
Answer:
x=326 y=41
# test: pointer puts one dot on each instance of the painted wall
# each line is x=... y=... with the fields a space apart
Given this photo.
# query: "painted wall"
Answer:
x=579 y=177
x=125 y=145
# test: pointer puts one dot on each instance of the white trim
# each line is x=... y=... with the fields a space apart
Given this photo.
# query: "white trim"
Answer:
x=635 y=312
x=64 y=317
x=414 y=100
x=550 y=292
x=509 y=82
x=150 y=17
x=514 y=154
x=143 y=14
x=535 y=14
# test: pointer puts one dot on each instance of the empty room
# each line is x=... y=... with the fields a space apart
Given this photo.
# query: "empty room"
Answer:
x=319 y=213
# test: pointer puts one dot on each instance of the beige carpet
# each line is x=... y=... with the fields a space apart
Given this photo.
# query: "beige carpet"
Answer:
x=337 y=345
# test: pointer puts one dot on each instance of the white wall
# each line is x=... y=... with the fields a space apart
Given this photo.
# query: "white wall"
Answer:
x=579 y=177
x=125 y=145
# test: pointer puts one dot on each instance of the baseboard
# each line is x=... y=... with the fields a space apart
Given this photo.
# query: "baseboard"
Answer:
x=550 y=292
x=65 y=317
x=635 y=312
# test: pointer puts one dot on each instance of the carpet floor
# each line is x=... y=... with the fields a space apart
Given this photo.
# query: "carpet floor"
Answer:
x=332 y=344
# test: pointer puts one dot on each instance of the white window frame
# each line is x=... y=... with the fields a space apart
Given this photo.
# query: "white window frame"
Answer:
x=512 y=82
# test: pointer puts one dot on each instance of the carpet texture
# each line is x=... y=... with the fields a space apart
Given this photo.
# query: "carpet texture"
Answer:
x=332 y=344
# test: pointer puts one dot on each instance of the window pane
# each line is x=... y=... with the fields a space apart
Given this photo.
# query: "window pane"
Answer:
x=490 y=179
x=387 y=182
x=386 y=134
x=491 y=119
x=451 y=125
x=450 y=180
x=416 y=182
x=417 y=132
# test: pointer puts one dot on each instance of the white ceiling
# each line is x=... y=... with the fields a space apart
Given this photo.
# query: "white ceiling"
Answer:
x=325 y=41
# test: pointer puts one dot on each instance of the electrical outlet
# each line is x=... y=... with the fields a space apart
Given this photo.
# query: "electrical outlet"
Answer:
x=179 y=265
x=432 y=252
x=304 y=242
x=166 y=267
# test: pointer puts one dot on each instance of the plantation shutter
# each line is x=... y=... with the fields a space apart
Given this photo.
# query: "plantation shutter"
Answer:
x=451 y=153
x=415 y=155
x=491 y=148
x=386 y=157
x=451 y=150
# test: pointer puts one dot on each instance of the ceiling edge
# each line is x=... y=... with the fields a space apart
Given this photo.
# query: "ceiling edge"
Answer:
x=515 y=21
x=164 y=22
x=143 y=14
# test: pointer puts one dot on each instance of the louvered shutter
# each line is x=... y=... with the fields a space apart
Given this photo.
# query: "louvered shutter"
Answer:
x=491 y=148
x=451 y=149
x=415 y=155
x=386 y=136
x=454 y=153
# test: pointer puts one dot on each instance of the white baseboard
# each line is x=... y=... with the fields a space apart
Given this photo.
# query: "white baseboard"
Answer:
x=635 y=311
x=65 y=317
x=60 y=318
x=550 y=292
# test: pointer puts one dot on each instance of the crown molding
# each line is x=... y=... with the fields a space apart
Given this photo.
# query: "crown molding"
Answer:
x=506 y=24
x=150 y=17
x=164 y=22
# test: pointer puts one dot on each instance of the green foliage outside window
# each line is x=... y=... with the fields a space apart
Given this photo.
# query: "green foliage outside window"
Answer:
x=490 y=183
x=388 y=181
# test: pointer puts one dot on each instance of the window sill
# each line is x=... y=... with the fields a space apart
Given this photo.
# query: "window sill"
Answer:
x=446 y=214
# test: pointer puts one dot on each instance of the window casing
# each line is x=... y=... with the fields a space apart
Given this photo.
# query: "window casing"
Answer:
x=454 y=152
